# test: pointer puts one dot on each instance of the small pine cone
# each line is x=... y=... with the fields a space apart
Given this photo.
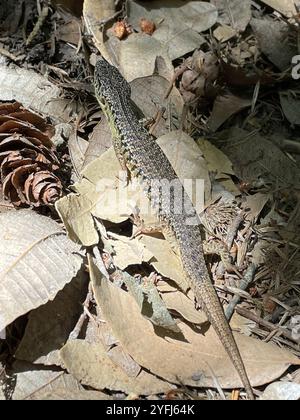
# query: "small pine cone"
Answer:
x=27 y=158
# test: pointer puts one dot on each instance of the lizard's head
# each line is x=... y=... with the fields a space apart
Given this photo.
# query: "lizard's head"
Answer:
x=109 y=82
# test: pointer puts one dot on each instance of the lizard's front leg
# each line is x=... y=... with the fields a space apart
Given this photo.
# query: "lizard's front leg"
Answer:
x=124 y=175
x=220 y=248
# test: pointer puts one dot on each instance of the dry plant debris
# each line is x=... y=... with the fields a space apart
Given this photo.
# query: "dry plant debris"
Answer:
x=88 y=308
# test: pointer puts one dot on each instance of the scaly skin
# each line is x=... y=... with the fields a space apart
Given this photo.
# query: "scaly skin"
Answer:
x=143 y=157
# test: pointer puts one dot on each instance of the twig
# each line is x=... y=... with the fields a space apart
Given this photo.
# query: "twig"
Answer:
x=277 y=339
x=10 y=55
x=76 y=331
x=157 y=119
x=27 y=397
x=255 y=96
x=113 y=5
x=291 y=146
x=100 y=262
x=250 y=315
x=38 y=25
x=216 y=382
x=232 y=230
x=178 y=72
x=79 y=45
x=248 y=277
x=105 y=21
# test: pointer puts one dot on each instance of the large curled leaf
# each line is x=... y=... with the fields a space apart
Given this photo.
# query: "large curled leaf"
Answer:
x=185 y=360
x=36 y=261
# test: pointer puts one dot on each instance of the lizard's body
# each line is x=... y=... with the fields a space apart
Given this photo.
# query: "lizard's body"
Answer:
x=143 y=157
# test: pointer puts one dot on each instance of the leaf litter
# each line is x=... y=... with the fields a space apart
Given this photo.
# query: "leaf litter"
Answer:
x=222 y=101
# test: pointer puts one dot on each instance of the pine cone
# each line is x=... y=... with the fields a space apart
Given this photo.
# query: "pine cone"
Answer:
x=27 y=157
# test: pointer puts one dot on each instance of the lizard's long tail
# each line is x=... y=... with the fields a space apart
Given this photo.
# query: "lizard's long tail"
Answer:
x=205 y=294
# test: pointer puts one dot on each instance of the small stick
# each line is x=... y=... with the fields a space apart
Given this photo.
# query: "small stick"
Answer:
x=250 y=315
x=248 y=277
x=291 y=146
x=76 y=331
x=10 y=55
x=157 y=119
x=233 y=229
x=178 y=72
x=216 y=382
x=38 y=25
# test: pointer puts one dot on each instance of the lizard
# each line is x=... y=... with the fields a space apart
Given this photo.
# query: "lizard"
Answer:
x=140 y=154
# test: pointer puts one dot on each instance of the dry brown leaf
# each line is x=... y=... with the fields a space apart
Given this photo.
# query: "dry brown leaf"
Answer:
x=188 y=162
x=95 y=12
x=235 y=13
x=286 y=7
x=49 y=326
x=224 y=108
x=148 y=93
x=177 y=33
x=137 y=55
x=96 y=195
x=274 y=38
x=258 y=160
x=32 y=381
x=90 y=364
x=181 y=304
x=164 y=260
x=242 y=324
x=120 y=358
x=99 y=142
x=177 y=24
x=70 y=32
x=36 y=261
x=254 y=205
x=290 y=102
x=128 y=251
x=35 y=92
x=75 y=210
x=185 y=361
x=77 y=148
x=220 y=165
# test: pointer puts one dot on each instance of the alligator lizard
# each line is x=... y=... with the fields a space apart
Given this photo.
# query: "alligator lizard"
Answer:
x=138 y=151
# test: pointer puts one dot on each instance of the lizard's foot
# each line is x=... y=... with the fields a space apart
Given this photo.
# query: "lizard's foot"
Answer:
x=123 y=179
x=219 y=248
x=154 y=278
x=141 y=227
x=146 y=122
